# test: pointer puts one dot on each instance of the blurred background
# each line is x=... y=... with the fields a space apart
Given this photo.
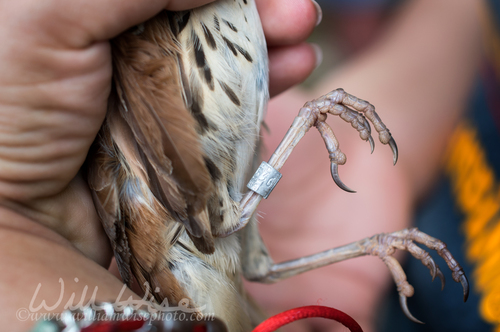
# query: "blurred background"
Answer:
x=430 y=69
x=348 y=27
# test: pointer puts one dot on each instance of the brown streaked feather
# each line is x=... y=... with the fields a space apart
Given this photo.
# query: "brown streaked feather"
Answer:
x=148 y=85
x=205 y=242
x=166 y=191
x=103 y=173
x=148 y=169
x=150 y=260
x=130 y=214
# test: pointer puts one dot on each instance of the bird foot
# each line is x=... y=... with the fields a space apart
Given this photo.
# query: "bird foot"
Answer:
x=384 y=245
x=358 y=113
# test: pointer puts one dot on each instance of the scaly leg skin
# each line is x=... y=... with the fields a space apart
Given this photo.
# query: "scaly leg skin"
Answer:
x=314 y=113
x=256 y=262
x=259 y=267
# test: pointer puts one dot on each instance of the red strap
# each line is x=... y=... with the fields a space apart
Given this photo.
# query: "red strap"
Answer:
x=286 y=317
x=269 y=325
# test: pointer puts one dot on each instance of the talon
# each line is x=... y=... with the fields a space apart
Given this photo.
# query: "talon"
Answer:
x=433 y=269
x=404 y=307
x=372 y=143
x=367 y=125
x=394 y=148
x=441 y=277
x=334 y=169
x=369 y=129
x=465 y=285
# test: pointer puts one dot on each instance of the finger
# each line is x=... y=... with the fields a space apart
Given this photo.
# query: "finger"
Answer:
x=290 y=65
x=96 y=20
x=288 y=22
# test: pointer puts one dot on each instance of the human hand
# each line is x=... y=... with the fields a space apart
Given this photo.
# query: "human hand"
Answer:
x=56 y=77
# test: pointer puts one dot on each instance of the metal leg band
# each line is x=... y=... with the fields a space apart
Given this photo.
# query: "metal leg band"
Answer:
x=264 y=180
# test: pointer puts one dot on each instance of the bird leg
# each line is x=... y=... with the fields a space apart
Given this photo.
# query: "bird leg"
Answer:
x=258 y=266
x=314 y=113
x=256 y=261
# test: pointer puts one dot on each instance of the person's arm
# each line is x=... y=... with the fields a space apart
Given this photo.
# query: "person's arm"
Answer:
x=418 y=76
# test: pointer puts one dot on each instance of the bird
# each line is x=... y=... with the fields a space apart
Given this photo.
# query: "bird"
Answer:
x=169 y=168
x=169 y=165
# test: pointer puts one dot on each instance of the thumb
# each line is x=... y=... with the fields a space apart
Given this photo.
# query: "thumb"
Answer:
x=109 y=18
x=80 y=23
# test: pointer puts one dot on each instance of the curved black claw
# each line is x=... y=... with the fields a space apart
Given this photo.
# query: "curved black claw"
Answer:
x=465 y=285
x=394 y=148
x=404 y=307
x=441 y=276
x=432 y=269
x=372 y=143
x=367 y=125
x=369 y=129
x=334 y=169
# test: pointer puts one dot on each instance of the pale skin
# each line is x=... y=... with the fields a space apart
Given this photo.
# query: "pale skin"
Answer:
x=418 y=76
x=56 y=73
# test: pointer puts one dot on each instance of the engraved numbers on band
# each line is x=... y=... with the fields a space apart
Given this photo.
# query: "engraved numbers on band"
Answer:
x=264 y=180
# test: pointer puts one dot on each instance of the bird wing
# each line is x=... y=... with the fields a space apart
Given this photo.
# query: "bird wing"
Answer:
x=148 y=87
x=146 y=169
x=224 y=75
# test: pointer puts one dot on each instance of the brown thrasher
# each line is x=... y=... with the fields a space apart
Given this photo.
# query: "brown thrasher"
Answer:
x=170 y=164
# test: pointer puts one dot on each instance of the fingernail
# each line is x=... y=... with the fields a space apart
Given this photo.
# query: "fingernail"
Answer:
x=319 y=54
x=319 y=12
